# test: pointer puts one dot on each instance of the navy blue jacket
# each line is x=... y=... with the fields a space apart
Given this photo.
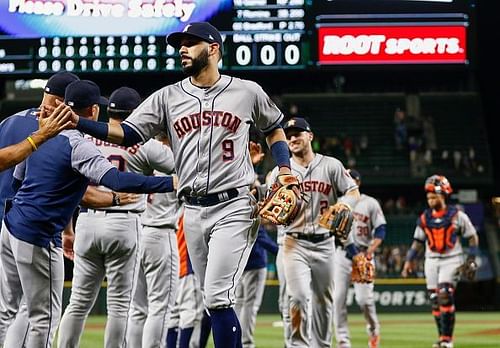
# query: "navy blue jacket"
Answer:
x=258 y=255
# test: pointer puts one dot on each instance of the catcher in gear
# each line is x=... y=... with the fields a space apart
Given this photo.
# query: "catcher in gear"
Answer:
x=439 y=228
x=354 y=264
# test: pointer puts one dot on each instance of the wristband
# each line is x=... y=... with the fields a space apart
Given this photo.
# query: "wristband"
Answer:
x=473 y=250
x=351 y=251
x=116 y=199
x=411 y=255
x=32 y=143
x=281 y=154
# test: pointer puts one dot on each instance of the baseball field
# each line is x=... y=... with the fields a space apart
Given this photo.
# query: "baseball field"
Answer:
x=415 y=330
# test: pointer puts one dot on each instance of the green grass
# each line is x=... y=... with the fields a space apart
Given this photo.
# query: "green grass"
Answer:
x=411 y=330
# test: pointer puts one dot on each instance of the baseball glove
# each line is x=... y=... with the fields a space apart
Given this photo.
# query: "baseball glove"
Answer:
x=338 y=219
x=468 y=269
x=363 y=270
x=283 y=200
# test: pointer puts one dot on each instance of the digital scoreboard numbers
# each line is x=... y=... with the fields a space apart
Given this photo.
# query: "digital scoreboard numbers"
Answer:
x=99 y=54
x=268 y=34
x=258 y=34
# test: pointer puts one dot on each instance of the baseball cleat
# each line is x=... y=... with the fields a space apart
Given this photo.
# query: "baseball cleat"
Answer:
x=446 y=344
x=374 y=341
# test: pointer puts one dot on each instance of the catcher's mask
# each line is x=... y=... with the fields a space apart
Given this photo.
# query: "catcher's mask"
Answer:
x=438 y=184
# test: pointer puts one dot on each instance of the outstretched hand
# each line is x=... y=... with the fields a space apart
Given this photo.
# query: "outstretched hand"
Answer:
x=68 y=240
x=127 y=198
x=256 y=153
x=407 y=269
x=53 y=120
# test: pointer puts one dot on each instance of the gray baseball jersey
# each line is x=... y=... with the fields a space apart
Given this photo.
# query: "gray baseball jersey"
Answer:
x=137 y=159
x=308 y=263
x=106 y=244
x=368 y=216
x=322 y=182
x=209 y=132
x=208 y=129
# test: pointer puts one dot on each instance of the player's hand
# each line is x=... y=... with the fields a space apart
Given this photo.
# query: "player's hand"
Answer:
x=68 y=239
x=51 y=123
x=407 y=269
x=73 y=117
x=256 y=153
x=127 y=198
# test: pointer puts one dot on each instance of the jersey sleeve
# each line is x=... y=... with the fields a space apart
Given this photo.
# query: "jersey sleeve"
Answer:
x=419 y=234
x=87 y=160
x=467 y=228
x=159 y=156
x=149 y=118
x=376 y=214
x=341 y=179
x=266 y=114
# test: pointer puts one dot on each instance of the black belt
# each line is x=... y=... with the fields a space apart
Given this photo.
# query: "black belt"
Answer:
x=313 y=238
x=211 y=199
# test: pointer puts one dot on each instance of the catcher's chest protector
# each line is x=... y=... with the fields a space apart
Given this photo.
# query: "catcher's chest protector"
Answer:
x=440 y=230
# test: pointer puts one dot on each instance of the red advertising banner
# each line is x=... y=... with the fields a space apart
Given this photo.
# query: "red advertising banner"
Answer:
x=397 y=44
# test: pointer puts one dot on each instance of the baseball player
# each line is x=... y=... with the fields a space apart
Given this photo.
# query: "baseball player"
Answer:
x=188 y=308
x=308 y=250
x=250 y=290
x=15 y=129
x=51 y=184
x=26 y=139
x=207 y=117
x=106 y=242
x=367 y=234
x=154 y=294
x=440 y=227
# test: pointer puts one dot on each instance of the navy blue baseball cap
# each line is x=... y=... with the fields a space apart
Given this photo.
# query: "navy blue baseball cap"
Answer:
x=297 y=123
x=199 y=30
x=124 y=98
x=58 y=82
x=82 y=94
x=355 y=174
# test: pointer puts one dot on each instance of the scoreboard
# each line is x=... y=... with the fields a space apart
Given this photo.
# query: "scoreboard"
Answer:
x=123 y=36
x=257 y=34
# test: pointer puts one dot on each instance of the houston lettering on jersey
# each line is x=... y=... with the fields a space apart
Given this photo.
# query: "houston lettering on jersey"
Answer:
x=403 y=44
x=187 y=124
x=316 y=186
x=131 y=150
